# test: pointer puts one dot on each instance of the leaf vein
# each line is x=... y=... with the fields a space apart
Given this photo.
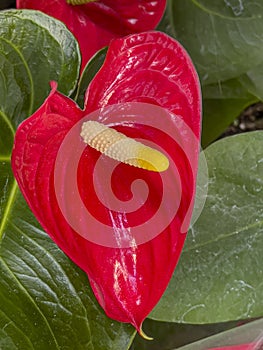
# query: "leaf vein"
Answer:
x=69 y=283
x=214 y=13
x=11 y=322
x=2 y=114
x=30 y=111
x=32 y=300
x=8 y=208
x=223 y=236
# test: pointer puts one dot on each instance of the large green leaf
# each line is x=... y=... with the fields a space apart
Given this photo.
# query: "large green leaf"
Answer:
x=224 y=38
x=47 y=51
x=248 y=333
x=45 y=300
x=222 y=104
x=218 y=115
x=253 y=81
x=169 y=335
x=25 y=75
x=165 y=24
x=89 y=72
x=219 y=275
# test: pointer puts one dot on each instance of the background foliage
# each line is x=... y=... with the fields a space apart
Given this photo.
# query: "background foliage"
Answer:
x=45 y=300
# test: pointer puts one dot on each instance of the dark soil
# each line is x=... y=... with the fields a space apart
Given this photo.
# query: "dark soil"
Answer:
x=5 y=4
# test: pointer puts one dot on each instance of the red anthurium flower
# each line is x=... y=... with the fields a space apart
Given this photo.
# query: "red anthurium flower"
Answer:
x=96 y=23
x=142 y=73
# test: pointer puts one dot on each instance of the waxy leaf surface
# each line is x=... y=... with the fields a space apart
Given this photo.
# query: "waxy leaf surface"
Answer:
x=170 y=335
x=148 y=68
x=244 y=337
x=45 y=300
x=97 y=23
x=224 y=40
x=24 y=33
x=222 y=104
x=90 y=70
x=220 y=267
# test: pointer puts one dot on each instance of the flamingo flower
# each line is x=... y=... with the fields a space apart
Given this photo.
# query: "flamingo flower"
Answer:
x=96 y=23
x=128 y=236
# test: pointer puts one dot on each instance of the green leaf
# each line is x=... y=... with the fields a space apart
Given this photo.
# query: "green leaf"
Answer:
x=230 y=89
x=218 y=115
x=248 y=333
x=89 y=72
x=253 y=81
x=219 y=275
x=165 y=23
x=222 y=104
x=224 y=38
x=170 y=335
x=45 y=300
x=25 y=75
x=23 y=33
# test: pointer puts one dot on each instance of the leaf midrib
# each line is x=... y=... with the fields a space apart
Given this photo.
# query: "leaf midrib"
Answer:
x=213 y=13
x=11 y=322
x=225 y=236
x=8 y=208
x=5 y=159
x=19 y=53
x=7 y=121
x=14 y=187
x=32 y=301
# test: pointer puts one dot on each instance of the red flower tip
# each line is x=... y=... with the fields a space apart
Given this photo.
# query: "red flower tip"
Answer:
x=53 y=85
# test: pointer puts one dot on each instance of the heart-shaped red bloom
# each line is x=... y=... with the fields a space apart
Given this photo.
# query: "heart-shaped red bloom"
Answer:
x=250 y=346
x=149 y=70
x=95 y=24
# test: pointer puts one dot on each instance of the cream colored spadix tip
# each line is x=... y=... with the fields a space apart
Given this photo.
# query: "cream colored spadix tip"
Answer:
x=145 y=336
x=124 y=149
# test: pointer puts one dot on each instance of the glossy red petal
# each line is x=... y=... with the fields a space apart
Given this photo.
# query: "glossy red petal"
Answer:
x=148 y=68
x=96 y=24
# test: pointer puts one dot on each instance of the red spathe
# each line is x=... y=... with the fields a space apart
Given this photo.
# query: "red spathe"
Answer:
x=148 y=68
x=95 y=24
